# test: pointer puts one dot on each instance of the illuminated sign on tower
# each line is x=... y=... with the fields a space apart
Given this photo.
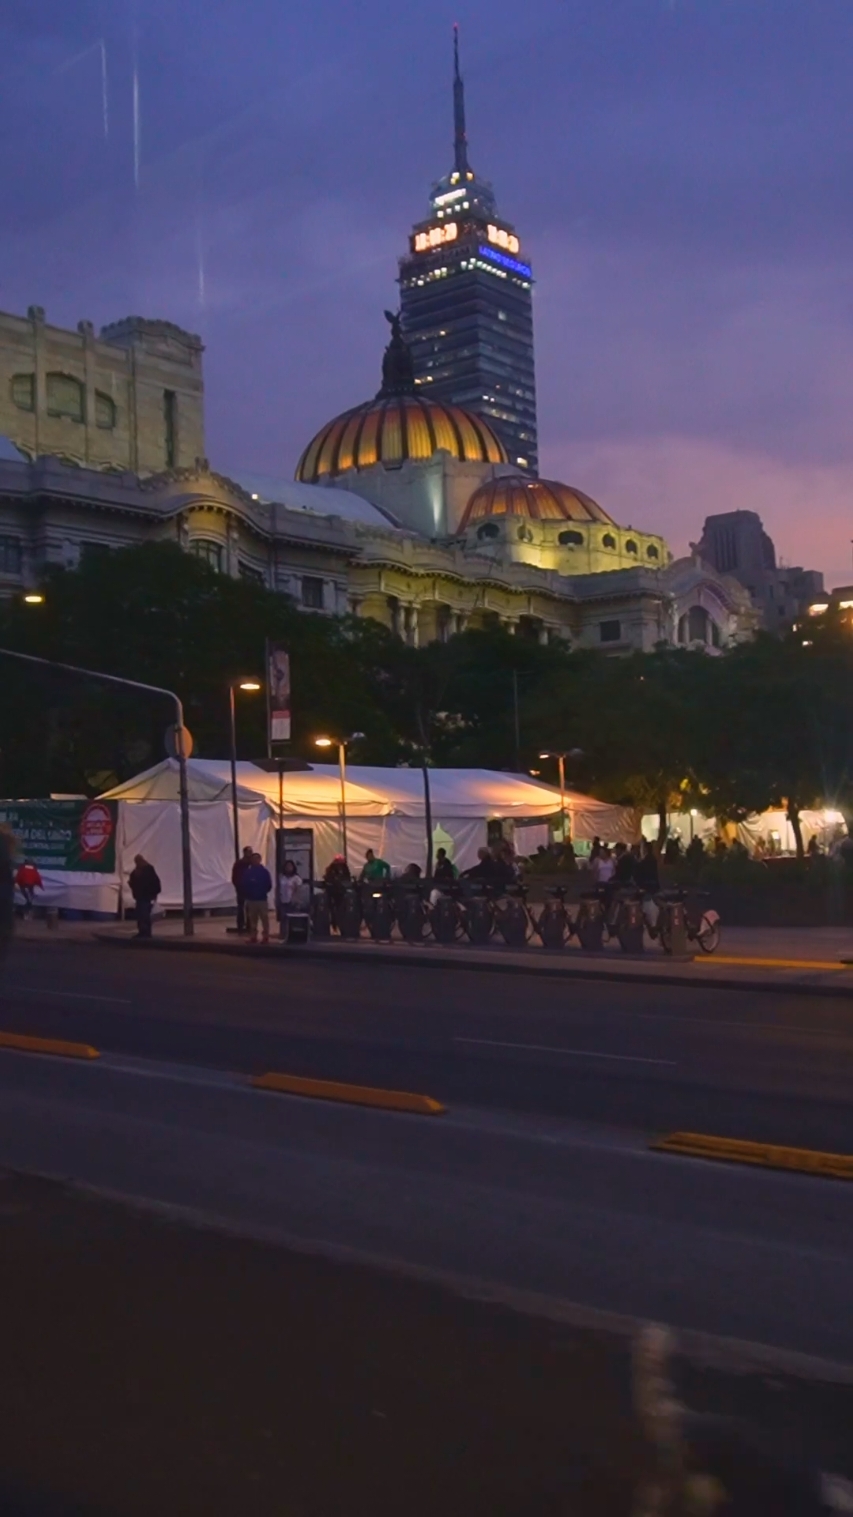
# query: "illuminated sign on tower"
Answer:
x=466 y=294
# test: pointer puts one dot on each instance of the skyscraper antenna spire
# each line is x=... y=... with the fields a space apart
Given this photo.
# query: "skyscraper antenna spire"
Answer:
x=460 y=140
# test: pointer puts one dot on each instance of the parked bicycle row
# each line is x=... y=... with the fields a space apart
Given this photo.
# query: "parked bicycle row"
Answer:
x=417 y=911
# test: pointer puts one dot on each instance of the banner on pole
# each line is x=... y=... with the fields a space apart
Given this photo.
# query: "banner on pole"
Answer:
x=70 y=836
x=278 y=693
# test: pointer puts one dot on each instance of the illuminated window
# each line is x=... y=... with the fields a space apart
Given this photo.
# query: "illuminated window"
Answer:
x=652 y=552
x=312 y=592
x=105 y=411
x=65 y=397
x=24 y=391
x=209 y=551
x=610 y=632
x=11 y=555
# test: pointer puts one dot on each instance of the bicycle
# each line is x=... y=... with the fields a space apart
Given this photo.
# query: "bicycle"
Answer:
x=702 y=925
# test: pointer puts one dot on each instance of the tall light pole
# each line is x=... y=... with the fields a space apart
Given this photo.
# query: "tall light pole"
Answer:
x=341 y=744
x=236 y=684
x=180 y=748
x=572 y=753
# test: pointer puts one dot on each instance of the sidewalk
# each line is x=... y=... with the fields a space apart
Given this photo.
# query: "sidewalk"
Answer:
x=808 y=958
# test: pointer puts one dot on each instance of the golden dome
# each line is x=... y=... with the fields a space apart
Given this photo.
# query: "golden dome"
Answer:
x=394 y=428
x=535 y=499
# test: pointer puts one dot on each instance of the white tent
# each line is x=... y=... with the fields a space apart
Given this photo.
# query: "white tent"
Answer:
x=385 y=810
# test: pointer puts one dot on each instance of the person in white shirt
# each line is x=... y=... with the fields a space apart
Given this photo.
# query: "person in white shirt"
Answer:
x=289 y=886
x=602 y=867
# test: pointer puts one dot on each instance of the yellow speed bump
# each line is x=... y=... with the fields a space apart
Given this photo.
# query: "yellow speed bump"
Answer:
x=23 y=1044
x=806 y=1161
x=353 y=1095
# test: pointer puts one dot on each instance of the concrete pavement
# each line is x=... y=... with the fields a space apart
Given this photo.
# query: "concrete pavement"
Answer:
x=776 y=958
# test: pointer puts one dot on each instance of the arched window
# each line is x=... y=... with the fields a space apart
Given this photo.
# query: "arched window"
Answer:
x=105 y=411
x=209 y=551
x=571 y=538
x=24 y=391
x=488 y=529
x=65 y=396
x=608 y=540
x=631 y=546
x=524 y=534
x=716 y=639
x=682 y=629
x=697 y=625
x=652 y=551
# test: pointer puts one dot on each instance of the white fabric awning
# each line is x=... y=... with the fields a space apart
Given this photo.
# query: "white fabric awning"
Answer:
x=372 y=791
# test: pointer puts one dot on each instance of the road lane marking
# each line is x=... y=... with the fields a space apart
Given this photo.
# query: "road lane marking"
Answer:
x=809 y=1161
x=576 y=1053
x=68 y=995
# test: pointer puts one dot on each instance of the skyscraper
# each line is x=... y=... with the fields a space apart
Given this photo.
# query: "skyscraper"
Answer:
x=466 y=299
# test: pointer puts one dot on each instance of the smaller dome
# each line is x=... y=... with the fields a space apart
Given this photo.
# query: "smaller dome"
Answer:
x=535 y=499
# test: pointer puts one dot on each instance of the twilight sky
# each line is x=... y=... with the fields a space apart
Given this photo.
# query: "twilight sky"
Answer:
x=680 y=172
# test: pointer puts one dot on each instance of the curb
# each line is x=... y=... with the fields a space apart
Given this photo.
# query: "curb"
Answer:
x=428 y=959
x=351 y=1095
x=20 y=1043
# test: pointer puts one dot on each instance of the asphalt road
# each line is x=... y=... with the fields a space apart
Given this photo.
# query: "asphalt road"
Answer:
x=539 y=1178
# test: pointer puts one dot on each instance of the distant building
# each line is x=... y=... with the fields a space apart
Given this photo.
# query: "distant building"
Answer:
x=466 y=294
x=404 y=510
x=736 y=543
x=130 y=398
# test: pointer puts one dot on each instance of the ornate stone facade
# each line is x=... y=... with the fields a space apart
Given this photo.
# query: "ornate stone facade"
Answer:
x=322 y=548
x=130 y=398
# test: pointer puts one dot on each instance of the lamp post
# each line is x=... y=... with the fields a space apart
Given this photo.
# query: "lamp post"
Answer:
x=572 y=753
x=180 y=747
x=341 y=744
x=236 y=684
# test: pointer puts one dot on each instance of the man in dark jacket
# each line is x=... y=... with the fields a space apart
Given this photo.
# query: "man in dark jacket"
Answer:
x=257 y=884
x=144 y=887
x=238 y=874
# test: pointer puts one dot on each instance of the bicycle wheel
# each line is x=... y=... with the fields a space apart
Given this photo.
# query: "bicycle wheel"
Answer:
x=708 y=936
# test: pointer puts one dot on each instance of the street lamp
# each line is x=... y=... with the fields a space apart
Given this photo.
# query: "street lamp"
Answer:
x=236 y=684
x=34 y=599
x=572 y=753
x=180 y=748
x=341 y=744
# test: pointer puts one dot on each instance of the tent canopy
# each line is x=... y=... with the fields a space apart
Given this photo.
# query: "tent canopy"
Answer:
x=370 y=791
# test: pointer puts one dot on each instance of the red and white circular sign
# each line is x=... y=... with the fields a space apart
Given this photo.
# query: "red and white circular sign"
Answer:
x=96 y=829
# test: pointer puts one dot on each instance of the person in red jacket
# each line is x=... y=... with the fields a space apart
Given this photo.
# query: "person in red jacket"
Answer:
x=28 y=881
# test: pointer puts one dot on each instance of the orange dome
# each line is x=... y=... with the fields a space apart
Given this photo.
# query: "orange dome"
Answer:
x=535 y=499
x=394 y=428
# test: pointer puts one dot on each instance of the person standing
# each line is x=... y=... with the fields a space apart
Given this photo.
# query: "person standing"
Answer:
x=375 y=870
x=445 y=871
x=145 y=887
x=237 y=876
x=289 y=886
x=257 y=884
x=28 y=881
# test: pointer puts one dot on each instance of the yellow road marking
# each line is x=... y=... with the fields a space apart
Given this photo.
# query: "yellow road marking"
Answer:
x=744 y=962
x=354 y=1095
x=22 y=1044
x=769 y=1155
